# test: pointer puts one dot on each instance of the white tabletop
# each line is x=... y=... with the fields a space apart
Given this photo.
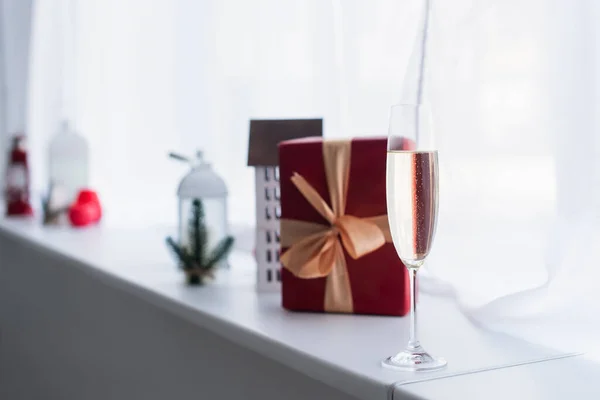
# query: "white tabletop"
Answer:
x=568 y=378
x=344 y=351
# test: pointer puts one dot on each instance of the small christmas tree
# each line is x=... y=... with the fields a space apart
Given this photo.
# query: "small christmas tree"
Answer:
x=195 y=260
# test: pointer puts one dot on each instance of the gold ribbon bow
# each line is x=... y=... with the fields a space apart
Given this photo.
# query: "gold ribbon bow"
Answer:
x=315 y=250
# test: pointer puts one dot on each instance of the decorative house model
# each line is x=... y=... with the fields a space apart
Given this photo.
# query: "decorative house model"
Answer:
x=265 y=135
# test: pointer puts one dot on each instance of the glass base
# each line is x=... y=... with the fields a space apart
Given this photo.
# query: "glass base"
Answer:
x=414 y=360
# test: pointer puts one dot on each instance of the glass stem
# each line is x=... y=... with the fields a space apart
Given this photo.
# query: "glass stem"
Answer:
x=413 y=342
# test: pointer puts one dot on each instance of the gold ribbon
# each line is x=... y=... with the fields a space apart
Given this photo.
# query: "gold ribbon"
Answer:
x=316 y=250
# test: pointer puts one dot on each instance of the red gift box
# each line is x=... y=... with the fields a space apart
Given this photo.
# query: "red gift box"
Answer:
x=377 y=281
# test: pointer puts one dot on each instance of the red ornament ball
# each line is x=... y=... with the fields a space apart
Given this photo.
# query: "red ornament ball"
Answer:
x=86 y=210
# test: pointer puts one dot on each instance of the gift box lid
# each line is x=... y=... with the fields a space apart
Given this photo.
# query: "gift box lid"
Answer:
x=310 y=140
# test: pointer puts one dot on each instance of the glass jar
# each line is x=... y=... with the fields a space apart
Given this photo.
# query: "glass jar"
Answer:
x=203 y=184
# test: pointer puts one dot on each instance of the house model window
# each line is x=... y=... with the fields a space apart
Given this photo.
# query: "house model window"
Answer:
x=263 y=153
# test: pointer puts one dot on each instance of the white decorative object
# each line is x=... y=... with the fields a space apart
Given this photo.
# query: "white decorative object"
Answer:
x=68 y=162
x=204 y=184
x=265 y=135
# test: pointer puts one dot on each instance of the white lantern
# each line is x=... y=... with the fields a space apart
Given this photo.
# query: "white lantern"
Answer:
x=68 y=163
x=204 y=184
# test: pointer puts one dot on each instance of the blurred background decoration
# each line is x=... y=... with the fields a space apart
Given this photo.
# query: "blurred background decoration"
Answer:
x=68 y=162
x=16 y=192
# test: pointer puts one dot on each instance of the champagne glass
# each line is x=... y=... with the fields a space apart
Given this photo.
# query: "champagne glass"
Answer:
x=412 y=205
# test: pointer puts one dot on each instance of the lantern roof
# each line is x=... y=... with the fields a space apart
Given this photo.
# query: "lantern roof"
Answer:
x=202 y=182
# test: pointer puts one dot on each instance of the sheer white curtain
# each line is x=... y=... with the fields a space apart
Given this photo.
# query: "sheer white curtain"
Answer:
x=157 y=75
x=109 y=68
x=512 y=85
x=514 y=90
x=15 y=35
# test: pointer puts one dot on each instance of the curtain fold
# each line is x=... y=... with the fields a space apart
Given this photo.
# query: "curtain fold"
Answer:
x=516 y=102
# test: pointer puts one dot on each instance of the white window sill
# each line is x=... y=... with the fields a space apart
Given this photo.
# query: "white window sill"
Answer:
x=341 y=351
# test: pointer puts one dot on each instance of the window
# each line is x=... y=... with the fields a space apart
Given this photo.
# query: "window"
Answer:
x=269 y=259
x=277 y=210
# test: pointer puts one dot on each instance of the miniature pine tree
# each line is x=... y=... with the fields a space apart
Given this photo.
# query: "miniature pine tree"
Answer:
x=195 y=260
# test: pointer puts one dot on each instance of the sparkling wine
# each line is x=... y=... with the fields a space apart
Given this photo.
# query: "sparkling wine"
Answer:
x=412 y=203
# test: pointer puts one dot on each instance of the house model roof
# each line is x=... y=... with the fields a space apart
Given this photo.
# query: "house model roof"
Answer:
x=265 y=135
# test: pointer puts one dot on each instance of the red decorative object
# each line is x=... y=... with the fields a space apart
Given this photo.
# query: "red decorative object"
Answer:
x=17 y=180
x=378 y=280
x=86 y=210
